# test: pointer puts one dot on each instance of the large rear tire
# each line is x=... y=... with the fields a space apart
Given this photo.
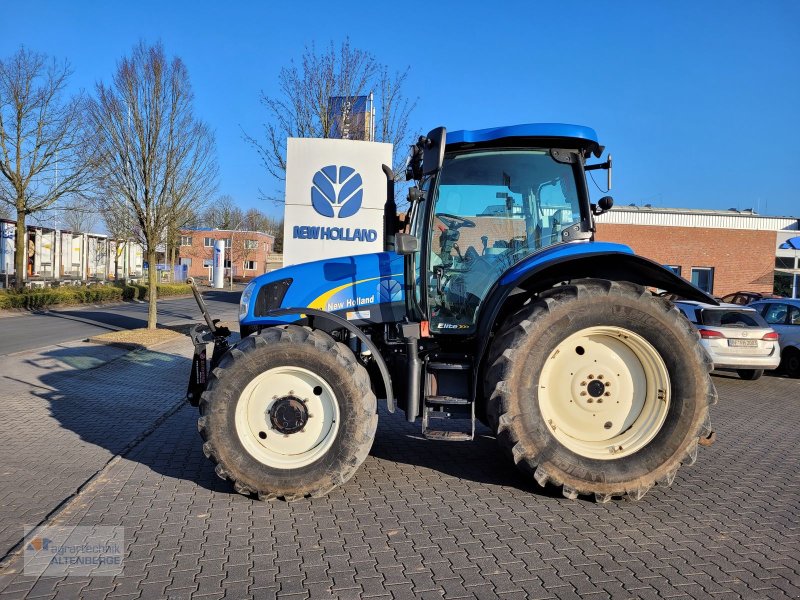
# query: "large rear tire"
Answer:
x=288 y=413
x=600 y=388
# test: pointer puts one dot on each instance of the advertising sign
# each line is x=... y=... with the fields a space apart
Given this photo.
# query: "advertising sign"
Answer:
x=352 y=117
x=335 y=193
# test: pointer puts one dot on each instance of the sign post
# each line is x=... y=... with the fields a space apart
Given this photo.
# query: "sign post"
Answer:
x=218 y=277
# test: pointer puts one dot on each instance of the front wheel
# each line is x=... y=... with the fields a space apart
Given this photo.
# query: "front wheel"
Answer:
x=600 y=388
x=288 y=413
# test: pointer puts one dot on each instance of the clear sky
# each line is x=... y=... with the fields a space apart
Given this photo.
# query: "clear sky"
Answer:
x=697 y=101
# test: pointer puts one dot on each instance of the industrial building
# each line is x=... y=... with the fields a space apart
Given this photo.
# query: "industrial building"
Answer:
x=720 y=251
x=54 y=254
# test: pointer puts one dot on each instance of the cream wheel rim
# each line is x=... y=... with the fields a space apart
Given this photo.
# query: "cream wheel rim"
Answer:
x=256 y=426
x=604 y=392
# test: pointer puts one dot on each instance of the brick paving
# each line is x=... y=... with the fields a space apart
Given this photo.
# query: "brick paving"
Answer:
x=425 y=519
x=65 y=411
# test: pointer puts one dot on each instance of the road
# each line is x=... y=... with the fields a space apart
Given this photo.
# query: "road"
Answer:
x=36 y=330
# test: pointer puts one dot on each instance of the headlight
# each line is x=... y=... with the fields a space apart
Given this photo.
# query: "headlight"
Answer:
x=244 y=301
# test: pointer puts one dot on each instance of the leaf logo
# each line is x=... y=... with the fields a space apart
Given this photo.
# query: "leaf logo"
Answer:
x=337 y=191
x=390 y=290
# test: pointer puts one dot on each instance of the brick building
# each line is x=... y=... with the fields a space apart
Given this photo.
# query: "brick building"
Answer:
x=721 y=251
x=247 y=251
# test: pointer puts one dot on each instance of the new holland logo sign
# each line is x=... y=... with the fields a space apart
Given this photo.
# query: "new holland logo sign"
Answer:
x=337 y=193
x=335 y=198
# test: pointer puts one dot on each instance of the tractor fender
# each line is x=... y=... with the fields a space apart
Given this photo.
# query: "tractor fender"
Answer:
x=614 y=262
x=340 y=322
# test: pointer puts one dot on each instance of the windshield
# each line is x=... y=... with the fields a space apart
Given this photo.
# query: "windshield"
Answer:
x=492 y=209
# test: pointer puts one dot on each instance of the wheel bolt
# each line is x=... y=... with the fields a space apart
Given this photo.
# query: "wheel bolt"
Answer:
x=583 y=393
x=607 y=425
x=607 y=394
x=599 y=400
x=590 y=401
x=599 y=376
x=583 y=383
x=591 y=377
x=608 y=383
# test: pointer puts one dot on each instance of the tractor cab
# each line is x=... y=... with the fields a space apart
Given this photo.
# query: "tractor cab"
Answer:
x=493 y=199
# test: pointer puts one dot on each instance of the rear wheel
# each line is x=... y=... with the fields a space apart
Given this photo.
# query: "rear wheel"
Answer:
x=750 y=374
x=600 y=388
x=288 y=413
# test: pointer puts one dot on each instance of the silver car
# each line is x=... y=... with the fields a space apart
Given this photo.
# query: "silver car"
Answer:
x=783 y=315
x=736 y=337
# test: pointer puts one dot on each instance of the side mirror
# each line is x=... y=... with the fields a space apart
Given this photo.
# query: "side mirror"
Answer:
x=603 y=205
x=389 y=211
x=405 y=243
x=434 y=151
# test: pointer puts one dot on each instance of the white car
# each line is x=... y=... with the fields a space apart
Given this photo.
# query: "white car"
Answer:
x=783 y=314
x=736 y=337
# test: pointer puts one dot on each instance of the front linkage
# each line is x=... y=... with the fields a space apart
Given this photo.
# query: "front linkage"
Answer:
x=202 y=335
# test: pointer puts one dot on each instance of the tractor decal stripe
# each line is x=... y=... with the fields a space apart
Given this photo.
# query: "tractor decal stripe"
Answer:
x=321 y=301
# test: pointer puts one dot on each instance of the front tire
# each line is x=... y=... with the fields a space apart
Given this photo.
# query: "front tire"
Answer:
x=600 y=388
x=288 y=413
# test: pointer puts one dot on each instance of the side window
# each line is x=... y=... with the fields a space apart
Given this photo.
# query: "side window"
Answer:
x=794 y=315
x=775 y=314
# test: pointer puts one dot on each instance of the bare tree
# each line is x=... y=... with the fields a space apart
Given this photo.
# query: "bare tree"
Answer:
x=79 y=216
x=223 y=213
x=153 y=153
x=42 y=140
x=315 y=96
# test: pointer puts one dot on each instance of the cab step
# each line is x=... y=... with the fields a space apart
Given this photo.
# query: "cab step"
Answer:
x=447 y=401
x=447 y=436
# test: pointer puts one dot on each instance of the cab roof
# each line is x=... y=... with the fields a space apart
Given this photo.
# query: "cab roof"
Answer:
x=570 y=135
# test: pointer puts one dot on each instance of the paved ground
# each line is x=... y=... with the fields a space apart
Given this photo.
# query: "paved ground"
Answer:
x=423 y=519
x=36 y=330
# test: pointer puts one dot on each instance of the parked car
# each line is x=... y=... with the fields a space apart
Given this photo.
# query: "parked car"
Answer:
x=783 y=315
x=736 y=337
x=745 y=298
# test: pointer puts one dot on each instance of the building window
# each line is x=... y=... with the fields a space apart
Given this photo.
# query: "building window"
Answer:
x=249 y=265
x=209 y=242
x=186 y=240
x=228 y=242
x=208 y=263
x=185 y=261
x=703 y=277
x=674 y=268
x=784 y=262
x=228 y=264
x=251 y=244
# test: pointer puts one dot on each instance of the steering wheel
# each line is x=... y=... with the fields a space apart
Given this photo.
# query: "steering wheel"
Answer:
x=454 y=222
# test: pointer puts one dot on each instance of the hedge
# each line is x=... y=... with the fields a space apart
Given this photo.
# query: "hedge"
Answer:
x=40 y=298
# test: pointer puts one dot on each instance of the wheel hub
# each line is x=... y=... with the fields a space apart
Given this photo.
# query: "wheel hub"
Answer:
x=596 y=388
x=288 y=415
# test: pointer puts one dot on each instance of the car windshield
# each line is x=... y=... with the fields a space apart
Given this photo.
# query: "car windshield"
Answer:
x=726 y=317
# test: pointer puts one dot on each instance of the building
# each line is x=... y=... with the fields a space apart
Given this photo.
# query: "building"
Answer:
x=248 y=251
x=720 y=251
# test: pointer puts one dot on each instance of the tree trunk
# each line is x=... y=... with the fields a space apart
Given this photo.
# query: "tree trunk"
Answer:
x=152 y=284
x=20 y=252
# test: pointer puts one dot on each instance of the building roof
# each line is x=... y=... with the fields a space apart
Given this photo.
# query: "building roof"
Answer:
x=697 y=217
x=213 y=230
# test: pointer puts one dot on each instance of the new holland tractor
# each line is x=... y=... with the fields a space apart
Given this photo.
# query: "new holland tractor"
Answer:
x=491 y=301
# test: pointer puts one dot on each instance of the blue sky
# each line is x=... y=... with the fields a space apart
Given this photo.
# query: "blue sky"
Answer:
x=697 y=101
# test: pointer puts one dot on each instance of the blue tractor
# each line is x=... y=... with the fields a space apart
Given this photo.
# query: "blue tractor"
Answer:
x=491 y=301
